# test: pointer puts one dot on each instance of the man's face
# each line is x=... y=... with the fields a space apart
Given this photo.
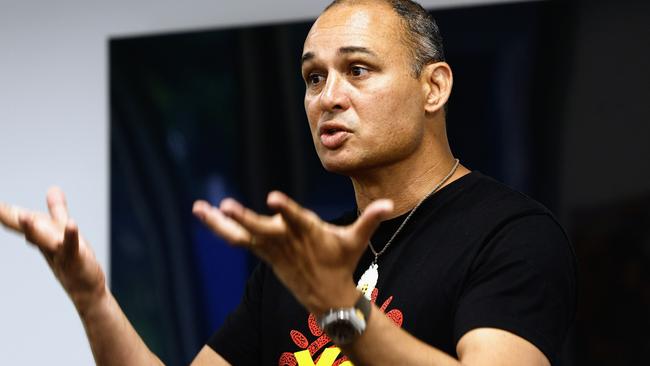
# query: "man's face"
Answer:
x=365 y=108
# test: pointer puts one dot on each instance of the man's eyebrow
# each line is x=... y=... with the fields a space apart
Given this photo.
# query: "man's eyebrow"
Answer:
x=306 y=57
x=342 y=51
x=356 y=49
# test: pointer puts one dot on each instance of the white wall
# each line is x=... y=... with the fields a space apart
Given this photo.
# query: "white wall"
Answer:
x=54 y=130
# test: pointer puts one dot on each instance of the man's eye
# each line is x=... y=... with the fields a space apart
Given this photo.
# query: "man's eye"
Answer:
x=358 y=71
x=314 y=79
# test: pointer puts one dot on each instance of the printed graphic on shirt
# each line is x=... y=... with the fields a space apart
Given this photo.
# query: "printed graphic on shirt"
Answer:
x=329 y=355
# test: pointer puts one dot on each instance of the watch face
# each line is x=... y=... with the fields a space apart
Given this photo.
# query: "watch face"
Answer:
x=344 y=325
x=341 y=331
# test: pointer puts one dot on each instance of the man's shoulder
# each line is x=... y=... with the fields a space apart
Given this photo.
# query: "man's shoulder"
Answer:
x=487 y=206
x=494 y=209
x=475 y=197
x=489 y=197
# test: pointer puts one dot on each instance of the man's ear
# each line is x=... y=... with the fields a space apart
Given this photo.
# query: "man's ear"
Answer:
x=437 y=81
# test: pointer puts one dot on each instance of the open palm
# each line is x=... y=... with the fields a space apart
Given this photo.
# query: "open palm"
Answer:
x=57 y=237
x=314 y=259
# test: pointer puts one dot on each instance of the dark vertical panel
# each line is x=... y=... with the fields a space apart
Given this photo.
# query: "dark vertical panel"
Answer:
x=605 y=185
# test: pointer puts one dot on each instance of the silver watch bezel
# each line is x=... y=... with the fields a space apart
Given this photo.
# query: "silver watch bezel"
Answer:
x=344 y=325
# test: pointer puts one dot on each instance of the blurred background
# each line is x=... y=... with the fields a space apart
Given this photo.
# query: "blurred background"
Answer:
x=137 y=109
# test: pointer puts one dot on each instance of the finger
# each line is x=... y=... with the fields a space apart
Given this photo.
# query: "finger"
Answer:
x=40 y=231
x=57 y=205
x=71 y=241
x=296 y=216
x=200 y=209
x=220 y=224
x=255 y=223
x=371 y=217
x=9 y=216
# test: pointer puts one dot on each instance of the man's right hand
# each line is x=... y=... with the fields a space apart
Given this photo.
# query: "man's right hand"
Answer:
x=57 y=237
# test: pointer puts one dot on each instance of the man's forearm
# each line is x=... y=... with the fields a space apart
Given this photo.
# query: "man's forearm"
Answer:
x=112 y=338
x=383 y=343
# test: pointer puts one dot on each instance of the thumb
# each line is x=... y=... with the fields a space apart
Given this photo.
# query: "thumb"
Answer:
x=370 y=218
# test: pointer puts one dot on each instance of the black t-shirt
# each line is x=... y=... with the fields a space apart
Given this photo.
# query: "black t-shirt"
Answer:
x=475 y=254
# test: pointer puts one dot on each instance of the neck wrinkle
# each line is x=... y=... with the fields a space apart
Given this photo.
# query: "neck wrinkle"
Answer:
x=403 y=185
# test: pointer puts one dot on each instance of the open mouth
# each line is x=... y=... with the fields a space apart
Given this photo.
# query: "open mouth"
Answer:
x=333 y=138
x=332 y=131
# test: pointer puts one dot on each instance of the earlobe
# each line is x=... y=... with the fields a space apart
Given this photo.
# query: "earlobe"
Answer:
x=438 y=79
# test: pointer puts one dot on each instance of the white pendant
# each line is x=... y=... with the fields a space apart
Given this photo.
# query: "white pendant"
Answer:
x=368 y=280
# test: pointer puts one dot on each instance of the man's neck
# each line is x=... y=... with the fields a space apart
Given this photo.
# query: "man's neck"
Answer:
x=405 y=183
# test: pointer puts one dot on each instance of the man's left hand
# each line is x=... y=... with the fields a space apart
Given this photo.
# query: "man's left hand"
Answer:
x=314 y=259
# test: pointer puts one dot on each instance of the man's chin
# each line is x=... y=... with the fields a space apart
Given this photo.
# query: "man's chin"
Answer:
x=341 y=166
x=346 y=161
x=337 y=167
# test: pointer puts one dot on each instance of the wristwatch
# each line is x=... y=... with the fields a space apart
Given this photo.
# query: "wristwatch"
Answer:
x=344 y=325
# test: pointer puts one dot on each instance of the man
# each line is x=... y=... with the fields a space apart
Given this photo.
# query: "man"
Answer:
x=452 y=267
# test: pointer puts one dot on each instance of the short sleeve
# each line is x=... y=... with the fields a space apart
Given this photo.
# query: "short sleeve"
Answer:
x=522 y=281
x=238 y=339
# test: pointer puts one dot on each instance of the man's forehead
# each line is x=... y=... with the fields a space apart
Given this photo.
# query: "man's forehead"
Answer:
x=352 y=25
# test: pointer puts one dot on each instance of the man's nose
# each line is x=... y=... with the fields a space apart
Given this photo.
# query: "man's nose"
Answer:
x=334 y=95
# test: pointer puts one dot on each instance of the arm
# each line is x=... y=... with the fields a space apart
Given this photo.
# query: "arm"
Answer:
x=383 y=343
x=316 y=261
x=112 y=338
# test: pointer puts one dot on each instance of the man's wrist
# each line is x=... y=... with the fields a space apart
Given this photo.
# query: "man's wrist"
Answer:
x=341 y=299
x=91 y=303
